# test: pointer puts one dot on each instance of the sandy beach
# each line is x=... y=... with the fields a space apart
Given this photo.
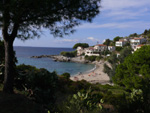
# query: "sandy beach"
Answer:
x=95 y=76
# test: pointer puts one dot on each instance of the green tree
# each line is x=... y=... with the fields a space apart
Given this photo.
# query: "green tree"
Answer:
x=134 y=71
x=22 y=18
x=114 y=61
x=133 y=35
x=117 y=38
x=83 y=45
x=124 y=53
x=145 y=32
x=107 y=42
x=119 y=49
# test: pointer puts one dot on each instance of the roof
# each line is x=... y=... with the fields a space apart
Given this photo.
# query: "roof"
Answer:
x=140 y=45
x=137 y=38
x=100 y=45
x=121 y=41
x=91 y=48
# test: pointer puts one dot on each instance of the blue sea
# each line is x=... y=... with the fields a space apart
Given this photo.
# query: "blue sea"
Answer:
x=24 y=54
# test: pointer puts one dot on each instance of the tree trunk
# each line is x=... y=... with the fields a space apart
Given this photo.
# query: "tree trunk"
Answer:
x=9 y=67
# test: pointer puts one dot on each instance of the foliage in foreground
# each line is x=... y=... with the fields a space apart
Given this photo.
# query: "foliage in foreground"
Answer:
x=75 y=97
x=18 y=103
x=82 y=103
x=40 y=84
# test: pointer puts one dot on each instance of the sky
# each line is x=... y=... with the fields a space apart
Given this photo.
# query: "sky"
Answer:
x=116 y=18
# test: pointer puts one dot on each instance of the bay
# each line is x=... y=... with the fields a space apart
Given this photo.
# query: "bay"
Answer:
x=24 y=54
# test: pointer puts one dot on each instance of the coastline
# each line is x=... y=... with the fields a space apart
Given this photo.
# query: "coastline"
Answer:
x=94 y=76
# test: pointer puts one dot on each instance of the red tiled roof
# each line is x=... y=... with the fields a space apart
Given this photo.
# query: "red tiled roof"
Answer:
x=137 y=38
x=91 y=48
x=140 y=45
x=101 y=45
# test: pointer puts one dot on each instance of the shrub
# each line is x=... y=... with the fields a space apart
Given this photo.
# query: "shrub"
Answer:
x=90 y=58
x=40 y=83
x=66 y=75
x=106 y=52
x=82 y=103
x=119 y=48
x=98 y=58
x=69 y=54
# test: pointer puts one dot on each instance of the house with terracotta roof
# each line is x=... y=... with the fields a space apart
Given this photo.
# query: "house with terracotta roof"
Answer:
x=100 y=47
x=91 y=52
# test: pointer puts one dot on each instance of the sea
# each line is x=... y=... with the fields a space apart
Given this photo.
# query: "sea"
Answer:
x=24 y=54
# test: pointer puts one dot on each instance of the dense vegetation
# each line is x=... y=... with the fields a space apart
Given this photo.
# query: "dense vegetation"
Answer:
x=37 y=90
x=109 y=42
x=134 y=70
x=134 y=75
x=83 y=45
x=69 y=54
x=93 y=58
x=115 y=60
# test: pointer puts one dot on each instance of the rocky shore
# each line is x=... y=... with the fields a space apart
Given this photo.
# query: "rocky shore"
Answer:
x=95 y=76
x=61 y=58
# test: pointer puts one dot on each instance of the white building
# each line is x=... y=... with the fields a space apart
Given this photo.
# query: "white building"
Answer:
x=136 y=41
x=100 y=47
x=80 y=51
x=111 y=48
x=91 y=52
x=120 y=43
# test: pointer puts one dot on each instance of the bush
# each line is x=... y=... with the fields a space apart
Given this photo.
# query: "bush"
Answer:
x=119 y=48
x=40 y=83
x=90 y=58
x=66 y=75
x=106 y=52
x=82 y=103
x=69 y=54
x=98 y=58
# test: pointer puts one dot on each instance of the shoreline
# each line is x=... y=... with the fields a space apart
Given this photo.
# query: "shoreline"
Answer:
x=86 y=72
x=94 y=76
